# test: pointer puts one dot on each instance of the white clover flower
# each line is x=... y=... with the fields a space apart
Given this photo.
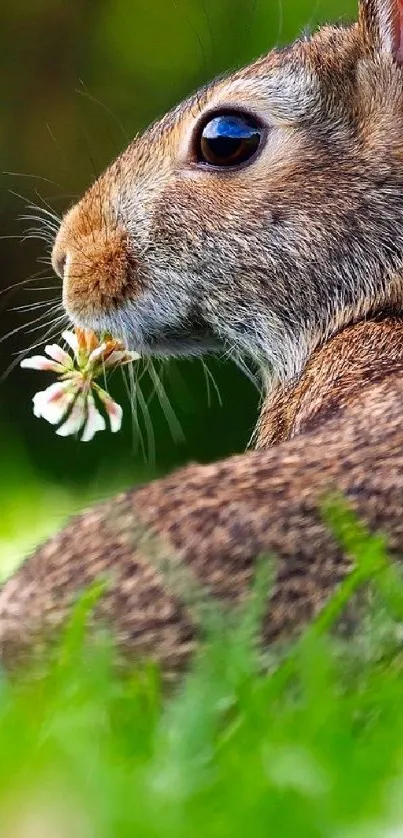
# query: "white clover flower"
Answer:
x=70 y=402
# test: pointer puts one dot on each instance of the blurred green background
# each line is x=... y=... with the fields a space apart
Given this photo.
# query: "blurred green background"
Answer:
x=78 y=78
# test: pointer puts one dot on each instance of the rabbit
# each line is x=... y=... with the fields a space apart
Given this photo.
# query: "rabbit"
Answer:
x=263 y=215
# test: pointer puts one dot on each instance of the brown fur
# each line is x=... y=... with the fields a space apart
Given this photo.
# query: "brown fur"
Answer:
x=99 y=261
x=296 y=260
x=209 y=523
x=359 y=356
x=267 y=259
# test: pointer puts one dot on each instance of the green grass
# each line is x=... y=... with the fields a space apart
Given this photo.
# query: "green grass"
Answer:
x=312 y=745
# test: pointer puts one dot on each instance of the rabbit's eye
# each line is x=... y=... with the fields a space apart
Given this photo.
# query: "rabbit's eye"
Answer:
x=228 y=140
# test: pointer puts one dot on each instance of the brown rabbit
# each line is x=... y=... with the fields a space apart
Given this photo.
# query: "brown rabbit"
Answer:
x=263 y=215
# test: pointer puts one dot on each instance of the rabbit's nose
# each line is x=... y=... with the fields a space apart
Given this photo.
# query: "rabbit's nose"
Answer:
x=59 y=260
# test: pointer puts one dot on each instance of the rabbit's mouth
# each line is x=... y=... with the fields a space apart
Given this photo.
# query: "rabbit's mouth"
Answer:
x=182 y=344
x=147 y=337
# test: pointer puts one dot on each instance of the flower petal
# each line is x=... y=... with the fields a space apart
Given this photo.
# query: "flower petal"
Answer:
x=113 y=409
x=75 y=419
x=119 y=357
x=97 y=353
x=58 y=354
x=39 y=362
x=53 y=403
x=87 y=340
x=71 y=339
x=95 y=422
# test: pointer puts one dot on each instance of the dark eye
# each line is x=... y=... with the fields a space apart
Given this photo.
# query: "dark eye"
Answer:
x=228 y=140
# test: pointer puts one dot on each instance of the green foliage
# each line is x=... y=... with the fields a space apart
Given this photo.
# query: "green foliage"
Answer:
x=312 y=747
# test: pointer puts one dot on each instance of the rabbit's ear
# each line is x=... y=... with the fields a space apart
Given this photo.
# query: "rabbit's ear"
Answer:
x=381 y=23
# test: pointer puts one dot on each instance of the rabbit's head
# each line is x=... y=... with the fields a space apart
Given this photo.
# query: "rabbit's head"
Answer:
x=262 y=214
